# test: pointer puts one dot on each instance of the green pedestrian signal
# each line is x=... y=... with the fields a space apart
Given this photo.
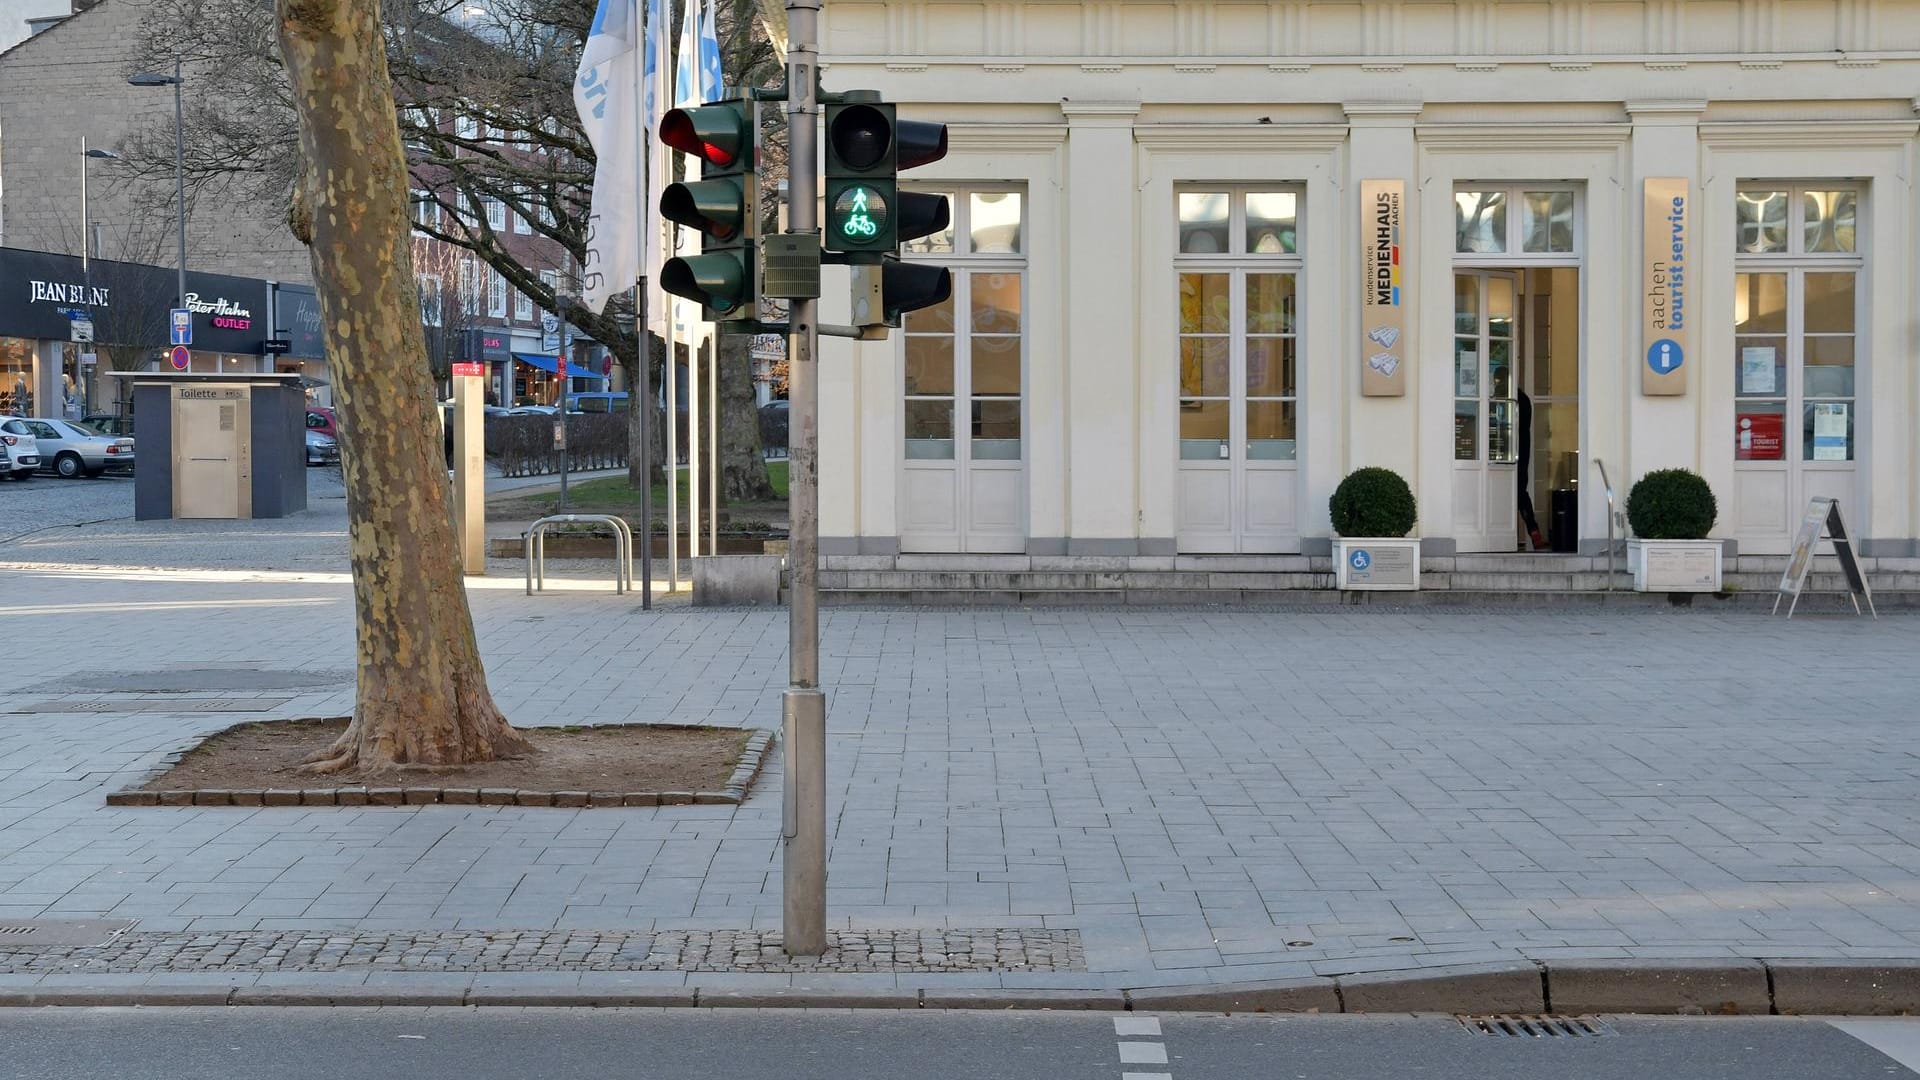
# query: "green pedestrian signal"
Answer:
x=723 y=204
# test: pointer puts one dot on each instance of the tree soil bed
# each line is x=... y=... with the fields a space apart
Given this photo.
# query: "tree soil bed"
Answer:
x=631 y=764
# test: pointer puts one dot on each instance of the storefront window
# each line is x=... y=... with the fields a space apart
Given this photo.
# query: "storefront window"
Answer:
x=1795 y=321
x=16 y=377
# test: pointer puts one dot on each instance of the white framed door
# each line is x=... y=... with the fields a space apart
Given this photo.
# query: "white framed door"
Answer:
x=1798 y=283
x=963 y=475
x=1239 y=289
x=1486 y=409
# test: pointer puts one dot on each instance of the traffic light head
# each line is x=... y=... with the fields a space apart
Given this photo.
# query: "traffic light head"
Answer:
x=720 y=134
x=884 y=291
x=723 y=205
x=867 y=147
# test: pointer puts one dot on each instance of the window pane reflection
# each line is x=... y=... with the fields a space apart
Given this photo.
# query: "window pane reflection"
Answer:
x=1272 y=223
x=994 y=222
x=1547 y=221
x=1761 y=221
x=1830 y=218
x=1203 y=222
x=1480 y=222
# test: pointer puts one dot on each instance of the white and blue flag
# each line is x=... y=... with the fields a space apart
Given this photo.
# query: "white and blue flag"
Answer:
x=606 y=92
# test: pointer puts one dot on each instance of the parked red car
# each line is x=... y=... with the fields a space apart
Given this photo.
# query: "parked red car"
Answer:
x=320 y=418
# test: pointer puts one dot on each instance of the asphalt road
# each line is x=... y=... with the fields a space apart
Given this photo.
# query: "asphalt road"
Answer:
x=526 y=1044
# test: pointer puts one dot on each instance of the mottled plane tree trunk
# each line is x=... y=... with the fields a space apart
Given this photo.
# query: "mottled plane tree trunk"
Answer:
x=422 y=697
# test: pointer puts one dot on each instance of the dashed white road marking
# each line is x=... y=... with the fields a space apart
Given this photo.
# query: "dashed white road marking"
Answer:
x=1133 y=1030
x=1896 y=1037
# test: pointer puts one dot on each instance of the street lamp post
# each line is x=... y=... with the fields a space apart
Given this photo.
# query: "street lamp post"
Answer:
x=87 y=242
x=148 y=78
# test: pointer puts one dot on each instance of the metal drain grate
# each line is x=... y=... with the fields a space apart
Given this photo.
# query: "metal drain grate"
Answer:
x=1536 y=1027
x=33 y=933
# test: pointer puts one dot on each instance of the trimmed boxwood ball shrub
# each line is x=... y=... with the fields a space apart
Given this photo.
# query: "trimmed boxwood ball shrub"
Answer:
x=1671 y=504
x=1373 y=502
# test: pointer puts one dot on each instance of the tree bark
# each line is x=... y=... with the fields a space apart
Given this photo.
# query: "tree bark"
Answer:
x=422 y=695
x=743 y=465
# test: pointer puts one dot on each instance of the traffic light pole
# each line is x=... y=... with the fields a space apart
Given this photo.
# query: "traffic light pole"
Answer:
x=804 y=706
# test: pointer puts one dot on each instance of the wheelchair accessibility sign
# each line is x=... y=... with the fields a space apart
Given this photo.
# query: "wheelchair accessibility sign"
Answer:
x=1378 y=564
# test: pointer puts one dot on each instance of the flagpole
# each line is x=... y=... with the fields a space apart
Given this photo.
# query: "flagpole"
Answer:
x=693 y=442
x=642 y=397
x=713 y=438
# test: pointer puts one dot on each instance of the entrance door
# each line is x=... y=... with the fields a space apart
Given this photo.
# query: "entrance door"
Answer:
x=1486 y=411
x=208 y=449
x=964 y=481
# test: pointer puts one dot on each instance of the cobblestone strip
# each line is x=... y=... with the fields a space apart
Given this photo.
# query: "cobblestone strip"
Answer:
x=555 y=950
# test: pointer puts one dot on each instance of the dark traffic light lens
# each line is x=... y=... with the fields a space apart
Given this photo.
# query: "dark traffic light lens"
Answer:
x=861 y=136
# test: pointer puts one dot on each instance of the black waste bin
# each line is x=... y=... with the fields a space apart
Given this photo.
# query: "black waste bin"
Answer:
x=1565 y=526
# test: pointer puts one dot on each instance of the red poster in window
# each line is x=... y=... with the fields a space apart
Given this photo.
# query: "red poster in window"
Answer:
x=1759 y=437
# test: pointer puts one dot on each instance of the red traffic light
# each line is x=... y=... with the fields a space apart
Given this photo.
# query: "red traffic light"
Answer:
x=714 y=133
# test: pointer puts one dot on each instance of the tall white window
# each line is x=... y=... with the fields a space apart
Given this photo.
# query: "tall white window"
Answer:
x=963 y=380
x=430 y=285
x=496 y=214
x=520 y=223
x=1237 y=291
x=426 y=210
x=551 y=279
x=471 y=292
x=466 y=127
x=522 y=307
x=496 y=295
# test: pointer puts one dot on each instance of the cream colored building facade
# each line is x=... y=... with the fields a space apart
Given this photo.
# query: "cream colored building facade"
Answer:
x=1157 y=343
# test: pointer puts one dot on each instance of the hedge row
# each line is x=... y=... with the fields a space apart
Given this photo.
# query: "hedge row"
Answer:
x=523 y=445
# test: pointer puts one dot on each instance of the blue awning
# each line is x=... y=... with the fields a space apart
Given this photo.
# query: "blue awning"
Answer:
x=552 y=364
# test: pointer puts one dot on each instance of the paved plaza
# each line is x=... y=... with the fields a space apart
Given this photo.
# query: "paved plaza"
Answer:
x=1141 y=797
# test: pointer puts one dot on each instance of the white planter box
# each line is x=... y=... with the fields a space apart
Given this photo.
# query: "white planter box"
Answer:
x=1381 y=564
x=1674 y=565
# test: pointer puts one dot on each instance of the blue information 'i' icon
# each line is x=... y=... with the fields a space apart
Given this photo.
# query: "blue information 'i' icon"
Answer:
x=1359 y=560
x=1665 y=355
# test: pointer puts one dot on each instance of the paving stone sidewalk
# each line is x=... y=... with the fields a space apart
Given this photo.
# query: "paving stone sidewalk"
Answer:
x=1197 y=795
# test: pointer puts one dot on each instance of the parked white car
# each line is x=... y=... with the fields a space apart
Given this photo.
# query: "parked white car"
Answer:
x=73 y=449
x=22 y=452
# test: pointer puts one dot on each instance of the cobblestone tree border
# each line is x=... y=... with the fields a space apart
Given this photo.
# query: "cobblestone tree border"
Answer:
x=734 y=792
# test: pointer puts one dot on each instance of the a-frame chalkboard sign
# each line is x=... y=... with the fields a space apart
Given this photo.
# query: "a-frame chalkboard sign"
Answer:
x=1823 y=512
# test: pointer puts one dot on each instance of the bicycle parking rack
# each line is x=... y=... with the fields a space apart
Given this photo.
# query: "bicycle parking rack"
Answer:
x=534 y=540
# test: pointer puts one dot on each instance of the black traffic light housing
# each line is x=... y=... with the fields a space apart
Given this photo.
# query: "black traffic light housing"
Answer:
x=724 y=205
x=888 y=289
x=868 y=146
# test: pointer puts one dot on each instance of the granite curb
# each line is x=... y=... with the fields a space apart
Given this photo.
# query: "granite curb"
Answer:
x=733 y=792
x=1745 y=987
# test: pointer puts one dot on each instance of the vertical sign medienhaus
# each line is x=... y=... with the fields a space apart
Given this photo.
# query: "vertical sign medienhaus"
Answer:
x=1383 y=295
